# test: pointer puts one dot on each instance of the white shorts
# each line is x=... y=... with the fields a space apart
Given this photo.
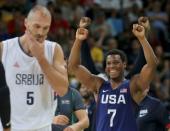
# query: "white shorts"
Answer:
x=46 y=128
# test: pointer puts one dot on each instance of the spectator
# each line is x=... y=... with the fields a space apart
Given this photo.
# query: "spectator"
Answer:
x=70 y=112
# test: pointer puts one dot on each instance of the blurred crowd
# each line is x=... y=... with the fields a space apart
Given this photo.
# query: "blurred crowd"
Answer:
x=110 y=28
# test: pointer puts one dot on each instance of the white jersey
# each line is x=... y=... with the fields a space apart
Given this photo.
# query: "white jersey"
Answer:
x=1 y=128
x=32 y=98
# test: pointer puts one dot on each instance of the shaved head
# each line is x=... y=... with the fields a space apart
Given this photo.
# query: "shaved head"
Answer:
x=38 y=22
x=39 y=9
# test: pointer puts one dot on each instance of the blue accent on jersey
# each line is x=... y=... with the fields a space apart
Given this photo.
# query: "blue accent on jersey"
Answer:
x=115 y=108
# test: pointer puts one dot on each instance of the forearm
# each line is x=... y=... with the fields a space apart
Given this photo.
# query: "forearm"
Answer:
x=140 y=60
x=81 y=124
x=150 y=57
x=74 y=59
x=58 y=80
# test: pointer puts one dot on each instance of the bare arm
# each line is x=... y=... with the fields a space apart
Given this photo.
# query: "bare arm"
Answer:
x=74 y=66
x=56 y=74
x=83 y=121
x=140 y=60
x=140 y=82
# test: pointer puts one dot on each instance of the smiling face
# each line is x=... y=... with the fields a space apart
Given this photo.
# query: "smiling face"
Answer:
x=115 y=67
x=38 y=23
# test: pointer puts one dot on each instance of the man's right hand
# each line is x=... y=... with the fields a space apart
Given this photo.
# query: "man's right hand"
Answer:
x=61 y=120
x=138 y=31
x=81 y=34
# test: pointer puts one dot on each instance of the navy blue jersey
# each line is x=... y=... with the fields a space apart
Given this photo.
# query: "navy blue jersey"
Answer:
x=153 y=115
x=115 y=108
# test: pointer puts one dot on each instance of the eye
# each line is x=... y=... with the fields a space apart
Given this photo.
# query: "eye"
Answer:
x=116 y=62
x=36 y=26
x=108 y=63
x=46 y=28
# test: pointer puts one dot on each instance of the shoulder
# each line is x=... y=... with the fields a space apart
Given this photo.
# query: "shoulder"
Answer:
x=10 y=40
x=55 y=44
x=125 y=82
x=58 y=49
x=5 y=42
x=58 y=53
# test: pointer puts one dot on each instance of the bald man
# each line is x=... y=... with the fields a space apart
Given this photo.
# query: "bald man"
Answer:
x=35 y=69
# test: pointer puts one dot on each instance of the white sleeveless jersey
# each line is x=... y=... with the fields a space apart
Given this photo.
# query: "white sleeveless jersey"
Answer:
x=32 y=98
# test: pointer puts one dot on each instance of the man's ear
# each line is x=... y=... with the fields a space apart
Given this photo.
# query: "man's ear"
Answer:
x=26 y=22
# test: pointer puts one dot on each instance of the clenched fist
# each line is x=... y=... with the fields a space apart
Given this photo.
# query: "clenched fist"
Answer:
x=81 y=34
x=84 y=22
x=138 y=31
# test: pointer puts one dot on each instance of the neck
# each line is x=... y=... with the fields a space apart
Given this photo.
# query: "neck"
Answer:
x=24 y=44
x=116 y=82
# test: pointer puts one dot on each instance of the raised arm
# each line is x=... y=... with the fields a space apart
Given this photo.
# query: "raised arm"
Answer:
x=140 y=60
x=141 y=82
x=82 y=74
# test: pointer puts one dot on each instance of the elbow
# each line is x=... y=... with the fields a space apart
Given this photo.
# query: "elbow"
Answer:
x=62 y=89
x=154 y=63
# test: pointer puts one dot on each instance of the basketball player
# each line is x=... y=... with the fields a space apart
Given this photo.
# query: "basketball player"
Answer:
x=34 y=68
x=116 y=96
x=5 y=108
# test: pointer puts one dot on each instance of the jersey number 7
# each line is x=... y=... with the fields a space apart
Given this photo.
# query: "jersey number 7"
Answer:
x=113 y=113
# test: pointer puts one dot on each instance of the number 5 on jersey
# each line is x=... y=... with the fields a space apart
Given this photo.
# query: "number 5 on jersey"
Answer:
x=30 y=98
x=113 y=113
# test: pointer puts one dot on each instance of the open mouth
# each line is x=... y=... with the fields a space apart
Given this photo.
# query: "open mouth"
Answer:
x=113 y=72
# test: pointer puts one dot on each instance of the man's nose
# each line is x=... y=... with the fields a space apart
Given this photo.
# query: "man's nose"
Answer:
x=40 y=32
